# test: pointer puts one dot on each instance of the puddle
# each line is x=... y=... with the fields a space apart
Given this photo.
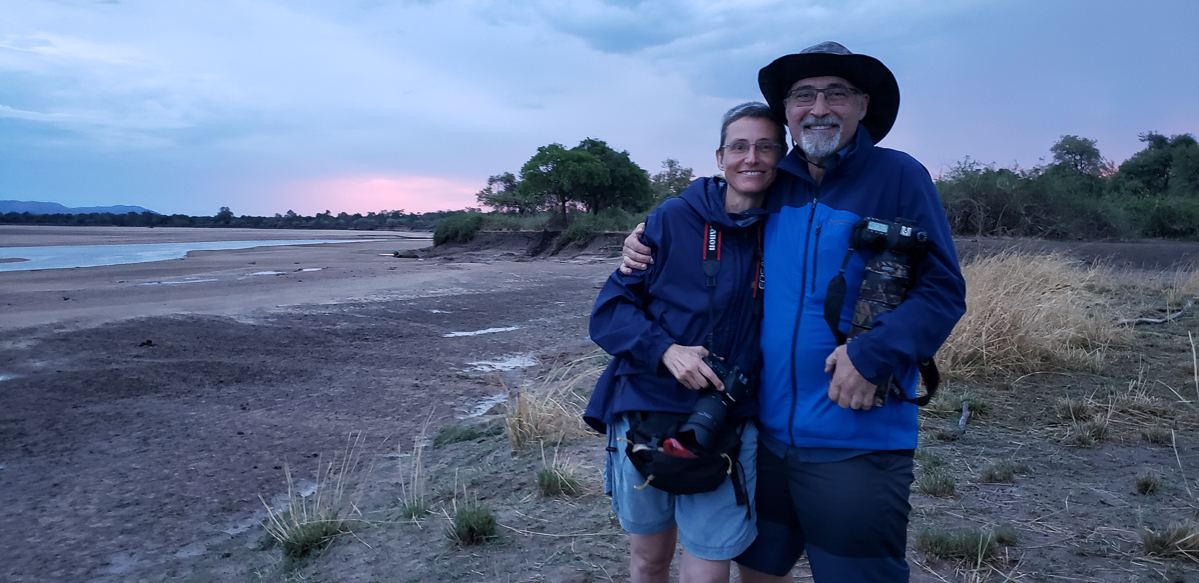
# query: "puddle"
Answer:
x=478 y=332
x=306 y=269
x=267 y=273
x=483 y=406
x=505 y=363
x=8 y=377
x=439 y=312
x=176 y=282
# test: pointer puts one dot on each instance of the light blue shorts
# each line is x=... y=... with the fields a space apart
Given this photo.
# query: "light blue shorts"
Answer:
x=711 y=525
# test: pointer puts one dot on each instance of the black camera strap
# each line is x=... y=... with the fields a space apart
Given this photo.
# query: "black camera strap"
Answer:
x=712 y=241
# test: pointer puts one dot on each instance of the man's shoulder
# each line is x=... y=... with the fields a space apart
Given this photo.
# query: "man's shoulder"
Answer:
x=894 y=158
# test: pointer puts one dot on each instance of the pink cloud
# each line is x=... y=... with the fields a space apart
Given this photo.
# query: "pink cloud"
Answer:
x=372 y=194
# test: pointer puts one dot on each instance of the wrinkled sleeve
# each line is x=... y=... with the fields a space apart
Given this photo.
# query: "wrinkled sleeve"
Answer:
x=620 y=322
x=916 y=328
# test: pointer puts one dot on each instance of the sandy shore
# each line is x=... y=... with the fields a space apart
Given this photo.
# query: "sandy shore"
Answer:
x=140 y=419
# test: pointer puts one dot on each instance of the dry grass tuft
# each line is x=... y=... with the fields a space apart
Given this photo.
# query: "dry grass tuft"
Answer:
x=551 y=410
x=1025 y=313
x=311 y=522
x=1002 y=471
x=1148 y=483
x=558 y=477
x=1176 y=541
x=937 y=483
x=414 y=496
x=472 y=524
x=1088 y=432
x=1070 y=408
x=929 y=460
x=1157 y=435
x=976 y=546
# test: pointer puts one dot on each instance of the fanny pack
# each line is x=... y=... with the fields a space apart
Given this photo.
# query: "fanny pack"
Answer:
x=704 y=472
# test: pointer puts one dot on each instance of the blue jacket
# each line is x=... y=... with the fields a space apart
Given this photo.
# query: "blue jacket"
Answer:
x=806 y=239
x=637 y=317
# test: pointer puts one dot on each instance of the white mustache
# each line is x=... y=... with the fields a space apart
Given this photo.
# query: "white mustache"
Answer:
x=827 y=120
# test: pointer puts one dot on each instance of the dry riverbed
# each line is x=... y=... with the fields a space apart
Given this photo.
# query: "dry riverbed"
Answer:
x=141 y=420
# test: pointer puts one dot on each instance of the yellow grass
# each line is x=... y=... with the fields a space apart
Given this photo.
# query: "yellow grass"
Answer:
x=1028 y=312
x=551 y=410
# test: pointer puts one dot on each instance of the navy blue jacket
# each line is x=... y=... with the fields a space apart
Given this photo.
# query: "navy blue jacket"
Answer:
x=806 y=239
x=637 y=317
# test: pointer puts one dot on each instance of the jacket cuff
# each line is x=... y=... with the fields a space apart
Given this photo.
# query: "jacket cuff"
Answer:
x=870 y=368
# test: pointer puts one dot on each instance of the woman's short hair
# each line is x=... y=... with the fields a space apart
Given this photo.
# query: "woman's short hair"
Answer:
x=751 y=109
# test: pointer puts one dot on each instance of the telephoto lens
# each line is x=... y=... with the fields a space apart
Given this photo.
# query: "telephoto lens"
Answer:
x=711 y=410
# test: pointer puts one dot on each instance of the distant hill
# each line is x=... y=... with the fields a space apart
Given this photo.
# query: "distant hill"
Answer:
x=52 y=208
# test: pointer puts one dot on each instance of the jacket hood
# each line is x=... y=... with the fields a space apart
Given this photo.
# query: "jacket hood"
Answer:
x=706 y=195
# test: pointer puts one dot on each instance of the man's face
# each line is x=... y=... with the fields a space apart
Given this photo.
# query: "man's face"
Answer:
x=826 y=124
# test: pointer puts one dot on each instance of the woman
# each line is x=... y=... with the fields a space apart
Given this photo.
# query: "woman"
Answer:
x=661 y=323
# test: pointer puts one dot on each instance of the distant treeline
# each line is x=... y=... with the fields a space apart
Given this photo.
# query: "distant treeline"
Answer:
x=1080 y=195
x=226 y=219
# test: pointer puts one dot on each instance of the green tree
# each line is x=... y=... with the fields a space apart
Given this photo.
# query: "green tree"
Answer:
x=671 y=181
x=224 y=216
x=1165 y=166
x=559 y=176
x=628 y=185
x=503 y=193
x=1079 y=154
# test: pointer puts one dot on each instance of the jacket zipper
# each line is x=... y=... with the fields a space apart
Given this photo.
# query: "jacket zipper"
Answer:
x=795 y=331
x=816 y=255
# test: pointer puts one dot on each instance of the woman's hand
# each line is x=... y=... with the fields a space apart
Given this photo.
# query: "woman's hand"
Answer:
x=687 y=365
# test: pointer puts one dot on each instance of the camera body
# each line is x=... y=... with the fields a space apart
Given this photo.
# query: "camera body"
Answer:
x=712 y=408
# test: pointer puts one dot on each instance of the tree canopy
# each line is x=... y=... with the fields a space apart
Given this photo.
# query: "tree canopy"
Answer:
x=592 y=175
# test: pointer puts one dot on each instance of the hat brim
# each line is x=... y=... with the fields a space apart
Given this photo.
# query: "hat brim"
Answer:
x=866 y=73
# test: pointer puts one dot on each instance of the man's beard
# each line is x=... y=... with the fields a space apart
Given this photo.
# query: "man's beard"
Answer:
x=819 y=145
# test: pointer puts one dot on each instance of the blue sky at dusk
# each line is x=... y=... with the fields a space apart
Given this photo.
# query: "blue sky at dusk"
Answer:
x=265 y=106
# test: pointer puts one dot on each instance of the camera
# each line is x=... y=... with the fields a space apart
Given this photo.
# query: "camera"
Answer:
x=888 y=275
x=898 y=245
x=702 y=428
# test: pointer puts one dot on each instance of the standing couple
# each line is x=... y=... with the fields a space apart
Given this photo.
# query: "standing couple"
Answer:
x=736 y=272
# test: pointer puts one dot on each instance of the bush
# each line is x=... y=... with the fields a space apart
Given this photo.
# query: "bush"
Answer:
x=458 y=228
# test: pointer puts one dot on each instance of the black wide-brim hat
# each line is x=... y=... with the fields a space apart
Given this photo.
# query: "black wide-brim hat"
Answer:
x=830 y=59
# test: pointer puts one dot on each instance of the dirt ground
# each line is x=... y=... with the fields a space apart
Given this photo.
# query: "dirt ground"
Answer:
x=142 y=418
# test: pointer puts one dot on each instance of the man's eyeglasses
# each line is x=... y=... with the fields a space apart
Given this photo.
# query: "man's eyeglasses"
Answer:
x=833 y=95
x=741 y=148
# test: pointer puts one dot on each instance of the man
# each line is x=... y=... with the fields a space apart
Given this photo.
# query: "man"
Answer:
x=834 y=471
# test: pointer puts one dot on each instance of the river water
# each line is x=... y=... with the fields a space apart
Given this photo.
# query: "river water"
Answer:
x=68 y=256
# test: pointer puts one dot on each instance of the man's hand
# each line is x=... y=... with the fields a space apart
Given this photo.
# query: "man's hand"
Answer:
x=687 y=365
x=634 y=255
x=848 y=388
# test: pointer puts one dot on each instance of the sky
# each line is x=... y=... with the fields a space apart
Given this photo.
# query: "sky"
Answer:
x=265 y=106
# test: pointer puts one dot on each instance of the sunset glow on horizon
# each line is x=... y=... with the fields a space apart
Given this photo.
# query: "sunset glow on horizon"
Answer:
x=411 y=194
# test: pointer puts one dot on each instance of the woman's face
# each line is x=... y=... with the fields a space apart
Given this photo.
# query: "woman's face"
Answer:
x=749 y=155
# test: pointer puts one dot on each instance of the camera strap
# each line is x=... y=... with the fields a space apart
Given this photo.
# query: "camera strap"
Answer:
x=712 y=241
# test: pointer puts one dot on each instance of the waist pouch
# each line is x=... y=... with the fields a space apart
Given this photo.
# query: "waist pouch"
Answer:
x=679 y=475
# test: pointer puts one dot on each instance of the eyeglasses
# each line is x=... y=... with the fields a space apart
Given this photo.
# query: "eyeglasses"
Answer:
x=833 y=95
x=741 y=148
